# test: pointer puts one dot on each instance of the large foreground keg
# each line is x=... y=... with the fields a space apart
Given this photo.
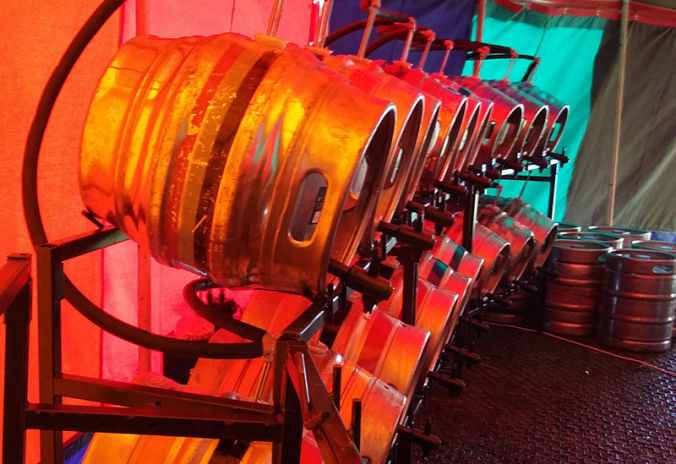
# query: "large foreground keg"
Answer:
x=637 y=310
x=543 y=228
x=434 y=312
x=558 y=112
x=493 y=249
x=246 y=160
x=628 y=234
x=521 y=239
x=384 y=346
x=572 y=297
x=613 y=240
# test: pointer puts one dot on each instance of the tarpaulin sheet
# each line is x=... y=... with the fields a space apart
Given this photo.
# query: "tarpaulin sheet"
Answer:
x=567 y=47
x=448 y=18
x=646 y=175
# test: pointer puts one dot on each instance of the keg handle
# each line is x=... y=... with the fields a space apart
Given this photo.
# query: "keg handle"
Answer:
x=358 y=279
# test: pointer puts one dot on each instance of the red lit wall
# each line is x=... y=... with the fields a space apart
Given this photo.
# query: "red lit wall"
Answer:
x=34 y=36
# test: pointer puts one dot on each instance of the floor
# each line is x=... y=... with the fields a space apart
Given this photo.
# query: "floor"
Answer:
x=536 y=399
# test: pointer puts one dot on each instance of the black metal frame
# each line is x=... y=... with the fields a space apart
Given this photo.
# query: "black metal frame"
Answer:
x=299 y=395
x=552 y=178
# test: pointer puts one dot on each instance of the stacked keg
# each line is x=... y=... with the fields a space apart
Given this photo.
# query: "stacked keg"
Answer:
x=637 y=310
x=572 y=297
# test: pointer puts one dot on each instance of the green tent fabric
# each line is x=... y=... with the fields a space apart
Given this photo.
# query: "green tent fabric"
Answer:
x=646 y=171
x=567 y=48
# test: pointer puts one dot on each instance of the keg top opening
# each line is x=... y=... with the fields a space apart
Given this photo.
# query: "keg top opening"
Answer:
x=557 y=128
x=406 y=144
x=535 y=137
x=453 y=140
x=507 y=133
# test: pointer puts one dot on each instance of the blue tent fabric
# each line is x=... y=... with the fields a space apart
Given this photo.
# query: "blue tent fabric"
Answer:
x=450 y=19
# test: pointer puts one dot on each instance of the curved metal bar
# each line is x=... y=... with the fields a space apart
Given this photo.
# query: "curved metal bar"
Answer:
x=36 y=228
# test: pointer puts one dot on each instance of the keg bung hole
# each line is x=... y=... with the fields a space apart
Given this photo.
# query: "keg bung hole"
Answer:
x=663 y=269
x=309 y=205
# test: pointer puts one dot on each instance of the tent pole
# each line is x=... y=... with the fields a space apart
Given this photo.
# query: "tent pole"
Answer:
x=480 y=15
x=624 y=26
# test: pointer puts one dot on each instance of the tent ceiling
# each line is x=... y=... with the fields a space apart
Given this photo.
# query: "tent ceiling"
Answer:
x=658 y=12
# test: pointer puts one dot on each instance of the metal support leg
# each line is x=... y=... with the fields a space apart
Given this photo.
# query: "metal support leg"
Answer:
x=468 y=224
x=553 y=183
x=17 y=320
x=410 y=289
x=286 y=401
x=50 y=293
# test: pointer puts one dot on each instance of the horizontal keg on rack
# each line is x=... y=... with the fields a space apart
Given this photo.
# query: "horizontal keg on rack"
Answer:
x=246 y=160
x=637 y=310
x=572 y=297
x=544 y=229
x=628 y=234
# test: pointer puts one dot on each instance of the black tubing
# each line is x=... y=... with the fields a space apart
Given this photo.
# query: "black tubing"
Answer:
x=36 y=230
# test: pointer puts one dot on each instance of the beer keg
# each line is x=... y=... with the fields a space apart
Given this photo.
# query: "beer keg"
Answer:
x=628 y=234
x=520 y=238
x=637 y=309
x=458 y=258
x=477 y=117
x=568 y=227
x=558 y=112
x=514 y=315
x=494 y=250
x=666 y=247
x=409 y=102
x=451 y=118
x=532 y=138
x=245 y=160
x=572 y=297
x=543 y=228
x=379 y=405
x=383 y=345
x=443 y=276
x=613 y=240
x=505 y=121
x=434 y=311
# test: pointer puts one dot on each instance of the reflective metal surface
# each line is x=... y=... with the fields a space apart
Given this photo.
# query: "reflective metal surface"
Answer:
x=572 y=298
x=558 y=112
x=506 y=120
x=383 y=345
x=638 y=308
x=628 y=234
x=246 y=160
x=520 y=238
x=494 y=250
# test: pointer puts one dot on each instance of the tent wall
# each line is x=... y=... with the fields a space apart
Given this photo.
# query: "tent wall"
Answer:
x=567 y=47
x=646 y=177
x=34 y=36
x=448 y=18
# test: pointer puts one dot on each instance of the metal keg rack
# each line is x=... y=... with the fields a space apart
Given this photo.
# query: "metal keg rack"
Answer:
x=300 y=398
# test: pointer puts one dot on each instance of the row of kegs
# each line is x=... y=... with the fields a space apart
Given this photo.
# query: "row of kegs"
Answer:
x=257 y=163
x=613 y=282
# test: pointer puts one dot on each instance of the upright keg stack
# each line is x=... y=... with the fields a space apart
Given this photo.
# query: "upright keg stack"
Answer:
x=349 y=195
x=615 y=283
